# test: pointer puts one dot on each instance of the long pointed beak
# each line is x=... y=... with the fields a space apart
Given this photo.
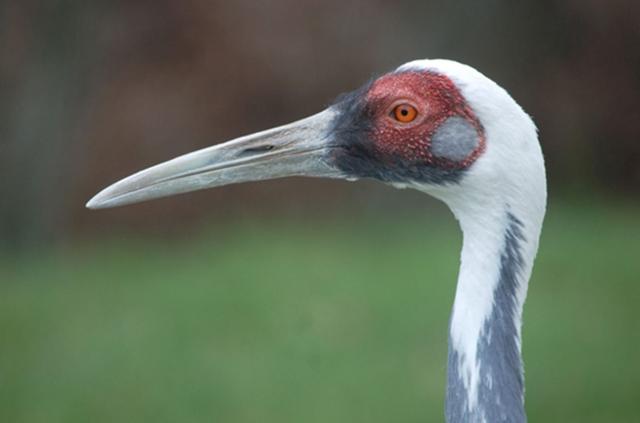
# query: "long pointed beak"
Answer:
x=297 y=149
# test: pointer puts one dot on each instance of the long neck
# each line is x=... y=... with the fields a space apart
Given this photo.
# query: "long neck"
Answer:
x=485 y=382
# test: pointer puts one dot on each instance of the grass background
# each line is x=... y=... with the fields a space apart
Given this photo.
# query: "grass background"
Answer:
x=321 y=321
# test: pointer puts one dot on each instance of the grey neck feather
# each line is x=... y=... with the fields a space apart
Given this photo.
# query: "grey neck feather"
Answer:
x=501 y=387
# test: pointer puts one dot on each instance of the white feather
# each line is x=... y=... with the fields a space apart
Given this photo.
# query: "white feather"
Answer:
x=508 y=176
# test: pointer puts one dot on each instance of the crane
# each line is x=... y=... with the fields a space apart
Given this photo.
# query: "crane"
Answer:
x=442 y=128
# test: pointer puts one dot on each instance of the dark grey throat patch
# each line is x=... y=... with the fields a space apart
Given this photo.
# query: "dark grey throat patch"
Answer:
x=501 y=385
x=455 y=139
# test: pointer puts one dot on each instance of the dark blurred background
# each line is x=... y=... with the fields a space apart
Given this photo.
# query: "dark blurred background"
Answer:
x=95 y=90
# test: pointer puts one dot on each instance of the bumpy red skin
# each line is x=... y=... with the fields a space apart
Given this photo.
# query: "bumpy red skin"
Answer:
x=436 y=98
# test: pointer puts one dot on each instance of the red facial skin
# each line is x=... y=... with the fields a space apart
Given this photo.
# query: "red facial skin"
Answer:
x=436 y=99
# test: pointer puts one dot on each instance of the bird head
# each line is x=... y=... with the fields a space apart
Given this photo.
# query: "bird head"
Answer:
x=434 y=125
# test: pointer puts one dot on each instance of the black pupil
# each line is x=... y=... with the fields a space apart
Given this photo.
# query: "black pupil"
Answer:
x=404 y=112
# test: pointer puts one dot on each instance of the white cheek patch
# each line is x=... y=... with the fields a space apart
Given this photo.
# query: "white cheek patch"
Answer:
x=455 y=139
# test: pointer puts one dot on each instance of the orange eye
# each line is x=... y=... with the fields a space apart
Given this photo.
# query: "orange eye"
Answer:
x=405 y=113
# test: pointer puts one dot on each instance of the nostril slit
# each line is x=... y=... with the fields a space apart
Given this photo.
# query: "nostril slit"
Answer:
x=258 y=149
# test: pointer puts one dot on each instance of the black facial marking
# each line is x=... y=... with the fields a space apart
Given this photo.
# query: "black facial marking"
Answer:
x=352 y=150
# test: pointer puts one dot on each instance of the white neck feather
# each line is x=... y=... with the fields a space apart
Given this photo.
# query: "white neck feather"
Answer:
x=478 y=278
x=479 y=309
x=506 y=184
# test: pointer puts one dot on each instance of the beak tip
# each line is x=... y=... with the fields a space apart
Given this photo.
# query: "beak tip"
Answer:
x=93 y=204
x=100 y=201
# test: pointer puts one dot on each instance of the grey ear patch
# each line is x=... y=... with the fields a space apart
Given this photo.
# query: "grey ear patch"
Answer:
x=455 y=139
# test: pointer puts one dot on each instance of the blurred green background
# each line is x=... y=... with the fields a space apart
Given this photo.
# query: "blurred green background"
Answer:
x=296 y=300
